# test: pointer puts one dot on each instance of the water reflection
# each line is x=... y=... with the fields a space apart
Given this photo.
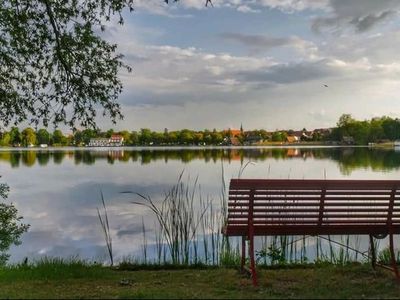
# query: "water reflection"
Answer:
x=58 y=191
x=347 y=158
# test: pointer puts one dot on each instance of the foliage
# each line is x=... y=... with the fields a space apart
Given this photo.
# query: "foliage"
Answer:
x=367 y=131
x=275 y=254
x=11 y=229
x=278 y=136
x=28 y=137
x=15 y=136
x=43 y=136
x=348 y=130
x=384 y=256
x=54 y=65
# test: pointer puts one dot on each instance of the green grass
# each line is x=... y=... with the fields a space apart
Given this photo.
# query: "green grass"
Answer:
x=77 y=279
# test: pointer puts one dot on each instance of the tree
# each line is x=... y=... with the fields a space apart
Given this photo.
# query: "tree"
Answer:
x=134 y=138
x=391 y=128
x=43 y=136
x=15 y=136
x=216 y=137
x=172 y=137
x=145 y=136
x=28 y=137
x=88 y=134
x=5 y=139
x=345 y=120
x=127 y=137
x=186 y=136
x=157 y=138
x=58 y=137
x=109 y=133
x=52 y=61
x=279 y=136
x=11 y=228
x=78 y=137
x=54 y=67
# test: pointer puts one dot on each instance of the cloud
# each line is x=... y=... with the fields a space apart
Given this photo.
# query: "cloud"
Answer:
x=367 y=22
x=361 y=15
x=168 y=75
x=244 y=6
x=292 y=73
x=381 y=48
x=294 y=5
x=256 y=40
x=258 y=43
x=247 y=9
x=182 y=85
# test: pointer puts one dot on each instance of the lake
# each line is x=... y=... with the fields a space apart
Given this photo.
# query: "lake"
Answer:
x=58 y=191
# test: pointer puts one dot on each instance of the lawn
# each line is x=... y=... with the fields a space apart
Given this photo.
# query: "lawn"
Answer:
x=85 y=281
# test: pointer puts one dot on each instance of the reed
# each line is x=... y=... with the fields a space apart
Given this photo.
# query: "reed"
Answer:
x=188 y=232
x=105 y=225
x=179 y=221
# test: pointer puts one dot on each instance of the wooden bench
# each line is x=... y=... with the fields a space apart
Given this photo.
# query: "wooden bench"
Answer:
x=258 y=207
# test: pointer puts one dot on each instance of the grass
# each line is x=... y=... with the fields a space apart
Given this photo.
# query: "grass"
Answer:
x=59 y=279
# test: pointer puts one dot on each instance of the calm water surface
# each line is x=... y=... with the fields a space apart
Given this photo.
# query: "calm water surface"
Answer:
x=58 y=190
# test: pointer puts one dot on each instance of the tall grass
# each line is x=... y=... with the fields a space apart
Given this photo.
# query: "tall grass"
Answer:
x=188 y=232
x=179 y=222
x=105 y=225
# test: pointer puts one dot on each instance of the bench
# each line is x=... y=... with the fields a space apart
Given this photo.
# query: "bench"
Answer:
x=258 y=207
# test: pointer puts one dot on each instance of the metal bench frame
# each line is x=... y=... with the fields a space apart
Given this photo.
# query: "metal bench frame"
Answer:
x=258 y=207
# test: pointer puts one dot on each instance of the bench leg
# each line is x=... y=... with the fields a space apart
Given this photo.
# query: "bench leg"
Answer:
x=252 y=261
x=243 y=260
x=393 y=257
x=373 y=252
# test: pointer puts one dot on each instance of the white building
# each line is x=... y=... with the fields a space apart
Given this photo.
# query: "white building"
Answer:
x=114 y=141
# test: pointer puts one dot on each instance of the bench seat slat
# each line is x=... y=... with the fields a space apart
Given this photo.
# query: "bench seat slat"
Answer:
x=308 y=198
x=310 y=230
x=297 y=216
x=316 y=192
x=314 y=184
x=301 y=221
x=310 y=210
x=315 y=204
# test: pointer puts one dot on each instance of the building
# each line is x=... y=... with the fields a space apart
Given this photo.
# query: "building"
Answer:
x=99 y=142
x=292 y=139
x=233 y=132
x=348 y=140
x=115 y=140
x=234 y=141
x=251 y=139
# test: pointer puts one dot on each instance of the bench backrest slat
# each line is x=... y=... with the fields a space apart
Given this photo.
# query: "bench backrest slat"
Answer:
x=313 y=202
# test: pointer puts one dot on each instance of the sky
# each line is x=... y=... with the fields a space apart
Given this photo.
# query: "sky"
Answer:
x=260 y=63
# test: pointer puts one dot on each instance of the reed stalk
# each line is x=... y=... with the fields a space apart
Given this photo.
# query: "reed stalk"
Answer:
x=105 y=225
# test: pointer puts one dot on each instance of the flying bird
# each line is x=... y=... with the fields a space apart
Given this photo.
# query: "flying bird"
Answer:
x=325 y=85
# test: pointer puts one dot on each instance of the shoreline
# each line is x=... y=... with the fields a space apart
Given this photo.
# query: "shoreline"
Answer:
x=193 y=147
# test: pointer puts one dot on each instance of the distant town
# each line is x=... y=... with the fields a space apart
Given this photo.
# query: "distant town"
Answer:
x=348 y=131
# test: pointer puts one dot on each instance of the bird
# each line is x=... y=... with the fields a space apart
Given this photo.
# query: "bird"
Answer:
x=209 y=2
x=325 y=85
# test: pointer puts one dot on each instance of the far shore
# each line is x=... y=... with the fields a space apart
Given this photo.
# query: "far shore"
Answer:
x=387 y=145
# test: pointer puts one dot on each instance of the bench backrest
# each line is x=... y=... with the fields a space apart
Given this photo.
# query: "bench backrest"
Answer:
x=316 y=203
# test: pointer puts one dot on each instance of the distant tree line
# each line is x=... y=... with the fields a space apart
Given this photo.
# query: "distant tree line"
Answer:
x=144 y=137
x=348 y=130
x=379 y=129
